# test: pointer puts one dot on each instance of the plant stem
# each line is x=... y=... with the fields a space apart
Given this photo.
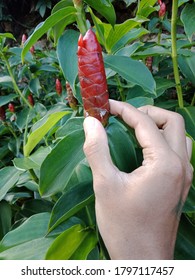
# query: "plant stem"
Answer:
x=193 y=100
x=174 y=52
x=16 y=88
x=89 y=216
x=81 y=20
x=120 y=88
x=34 y=176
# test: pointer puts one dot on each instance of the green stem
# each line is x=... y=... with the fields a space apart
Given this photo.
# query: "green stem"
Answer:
x=174 y=52
x=193 y=100
x=16 y=88
x=81 y=20
x=159 y=33
x=120 y=88
x=34 y=176
x=89 y=216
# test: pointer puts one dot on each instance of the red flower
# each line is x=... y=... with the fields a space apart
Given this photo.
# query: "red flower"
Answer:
x=92 y=77
x=58 y=87
x=31 y=99
x=11 y=107
x=24 y=38
x=162 y=10
x=2 y=113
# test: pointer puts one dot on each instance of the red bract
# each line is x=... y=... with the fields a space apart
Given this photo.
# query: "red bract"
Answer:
x=72 y=101
x=162 y=10
x=32 y=50
x=31 y=99
x=92 y=77
x=11 y=107
x=24 y=38
x=58 y=87
x=2 y=113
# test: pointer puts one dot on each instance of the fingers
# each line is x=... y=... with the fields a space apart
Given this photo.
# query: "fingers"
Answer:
x=96 y=148
x=189 y=147
x=147 y=133
x=172 y=128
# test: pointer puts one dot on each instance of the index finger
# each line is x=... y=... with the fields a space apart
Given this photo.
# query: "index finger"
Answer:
x=147 y=132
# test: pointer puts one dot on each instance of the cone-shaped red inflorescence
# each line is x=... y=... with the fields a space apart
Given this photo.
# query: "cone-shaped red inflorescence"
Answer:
x=92 y=77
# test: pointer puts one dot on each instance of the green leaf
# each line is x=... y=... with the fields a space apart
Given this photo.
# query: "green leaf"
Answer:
x=71 y=202
x=67 y=14
x=71 y=125
x=153 y=51
x=60 y=26
x=185 y=244
x=133 y=71
x=140 y=101
x=187 y=67
x=5 y=79
x=6 y=99
x=7 y=35
x=188 y=19
x=119 y=31
x=24 y=164
x=67 y=56
x=34 y=86
x=129 y=50
x=40 y=132
x=163 y=84
x=9 y=176
x=145 y=7
x=129 y=37
x=181 y=2
x=105 y=8
x=121 y=147
x=28 y=230
x=188 y=114
x=5 y=218
x=67 y=155
x=32 y=250
x=73 y=244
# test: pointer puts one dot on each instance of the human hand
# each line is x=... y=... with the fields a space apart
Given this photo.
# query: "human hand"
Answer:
x=138 y=213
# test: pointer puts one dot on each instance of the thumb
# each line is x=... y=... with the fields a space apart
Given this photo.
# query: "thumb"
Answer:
x=96 y=148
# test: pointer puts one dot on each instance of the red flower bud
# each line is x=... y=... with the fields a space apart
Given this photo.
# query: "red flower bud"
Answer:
x=31 y=99
x=149 y=61
x=162 y=10
x=32 y=50
x=58 y=87
x=2 y=114
x=72 y=101
x=11 y=107
x=24 y=38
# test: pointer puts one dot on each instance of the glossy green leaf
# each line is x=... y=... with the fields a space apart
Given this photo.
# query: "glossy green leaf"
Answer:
x=140 y=101
x=5 y=79
x=36 y=136
x=181 y=2
x=24 y=164
x=188 y=19
x=33 y=228
x=73 y=244
x=153 y=51
x=6 y=99
x=31 y=250
x=129 y=50
x=5 y=218
x=105 y=8
x=188 y=114
x=67 y=154
x=187 y=67
x=67 y=55
x=67 y=14
x=60 y=26
x=119 y=31
x=7 y=35
x=163 y=84
x=71 y=202
x=185 y=244
x=121 y=147
x=71 y=125
x=131 y=36
x=9 y=176
x=133 y=71
x=145 y=7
